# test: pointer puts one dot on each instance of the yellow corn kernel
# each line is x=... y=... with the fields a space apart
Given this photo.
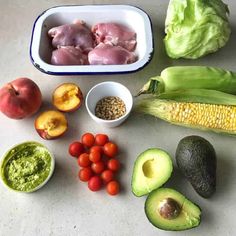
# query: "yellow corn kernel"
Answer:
x=222 y=117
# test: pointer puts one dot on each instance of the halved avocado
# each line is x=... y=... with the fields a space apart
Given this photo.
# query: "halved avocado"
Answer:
x=168 y=209
x=151 y=170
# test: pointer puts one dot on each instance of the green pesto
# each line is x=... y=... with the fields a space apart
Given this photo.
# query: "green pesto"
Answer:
x=26 y=166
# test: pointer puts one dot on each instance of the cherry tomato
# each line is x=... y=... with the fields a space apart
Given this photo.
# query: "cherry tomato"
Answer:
x=98 y=167
x=85 y=174
x=96 y=149
x=110 y=149
x=88 y=139
x=83 y=160
x=95 y=183
x=95 y=157
x=101 y=139
x=113 y=187
x=113 y=164
x=107 y=176
x=76 y=148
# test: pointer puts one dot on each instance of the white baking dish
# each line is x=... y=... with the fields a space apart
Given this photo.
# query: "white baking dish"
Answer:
x=133 y=17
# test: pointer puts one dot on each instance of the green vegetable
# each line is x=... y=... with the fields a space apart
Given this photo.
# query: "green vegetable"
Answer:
x=191 y=77
x=168 y=209
x=195 y=28
x=200 y=96
x=213 y=117
x=152 y=169
x=196 y=159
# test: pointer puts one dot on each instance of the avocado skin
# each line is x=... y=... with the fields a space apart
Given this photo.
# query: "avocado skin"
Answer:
x=196 y=159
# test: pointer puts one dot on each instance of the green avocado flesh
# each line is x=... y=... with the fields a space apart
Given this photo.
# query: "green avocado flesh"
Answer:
x=151 y=170
x=189 y=213
x=26 y=166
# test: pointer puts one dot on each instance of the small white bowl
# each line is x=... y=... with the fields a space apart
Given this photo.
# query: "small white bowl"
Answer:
x=40 y=185
x=133 y=17
x=106 y=89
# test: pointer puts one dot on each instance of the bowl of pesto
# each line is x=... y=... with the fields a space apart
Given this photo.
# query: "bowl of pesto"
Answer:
x=27 y=167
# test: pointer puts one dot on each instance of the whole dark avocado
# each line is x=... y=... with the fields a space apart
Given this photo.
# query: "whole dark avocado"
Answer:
x=196 y=159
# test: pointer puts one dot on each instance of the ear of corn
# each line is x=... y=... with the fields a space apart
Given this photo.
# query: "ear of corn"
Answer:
x=200 y=96
x=213 y=117
x=191 y=77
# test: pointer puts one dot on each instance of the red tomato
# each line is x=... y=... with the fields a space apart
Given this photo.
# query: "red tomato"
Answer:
x=101 y=139
x=88 y=139
x=113 y=164
x=98 y=167
x=95 y=183
x=107 y=176
x=95 y=157
x=83 y=160
x=113 y=187
x=110 y=149
x=96 y=149
x=85 y=174
x=76 y=148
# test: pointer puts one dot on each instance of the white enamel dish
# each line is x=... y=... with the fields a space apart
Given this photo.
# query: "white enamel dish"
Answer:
x=133 y=17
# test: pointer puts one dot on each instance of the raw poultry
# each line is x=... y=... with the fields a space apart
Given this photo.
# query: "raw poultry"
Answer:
x=105 y=44
x=76 y=34
x=106 y=54
x=115 y=34
x=69 y=56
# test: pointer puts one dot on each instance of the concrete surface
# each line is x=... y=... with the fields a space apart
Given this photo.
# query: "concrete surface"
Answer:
x=65 y=207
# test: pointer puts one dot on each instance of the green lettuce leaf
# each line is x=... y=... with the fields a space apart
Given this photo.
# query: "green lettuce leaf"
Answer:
x=195 y=28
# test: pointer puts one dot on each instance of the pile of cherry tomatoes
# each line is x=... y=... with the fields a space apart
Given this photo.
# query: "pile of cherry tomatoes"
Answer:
x=96 y=157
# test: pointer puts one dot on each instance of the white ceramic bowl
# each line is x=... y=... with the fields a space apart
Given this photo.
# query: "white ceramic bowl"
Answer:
x=40 y=185
x=106 y=89
x=133 y=17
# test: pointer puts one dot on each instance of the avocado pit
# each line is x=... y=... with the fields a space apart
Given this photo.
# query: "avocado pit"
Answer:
x=169 y=208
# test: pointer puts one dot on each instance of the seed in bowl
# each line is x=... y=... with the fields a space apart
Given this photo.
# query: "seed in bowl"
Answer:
x=110 y=108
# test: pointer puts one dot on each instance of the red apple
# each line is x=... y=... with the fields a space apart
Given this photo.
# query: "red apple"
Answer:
x=20 y=98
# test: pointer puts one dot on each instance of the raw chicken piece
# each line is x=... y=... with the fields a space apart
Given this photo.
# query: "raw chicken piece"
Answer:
x=69 y=56
x=115 y=34
x=76 y=34
x=106 y=54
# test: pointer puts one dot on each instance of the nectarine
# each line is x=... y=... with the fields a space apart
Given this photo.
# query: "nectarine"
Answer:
x=20 y=98
x=67 y=97
x=51 y=124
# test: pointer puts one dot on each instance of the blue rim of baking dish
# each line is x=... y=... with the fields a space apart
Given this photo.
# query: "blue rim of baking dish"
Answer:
x=95 y=72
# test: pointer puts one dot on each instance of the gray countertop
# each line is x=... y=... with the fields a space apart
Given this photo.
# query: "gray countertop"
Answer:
x=65 y=206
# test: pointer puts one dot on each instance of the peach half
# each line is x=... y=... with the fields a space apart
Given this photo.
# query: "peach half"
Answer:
x=67 y=97
x=51 y=124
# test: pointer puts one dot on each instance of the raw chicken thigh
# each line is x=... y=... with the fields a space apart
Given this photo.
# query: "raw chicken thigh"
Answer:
x=106 y=54
x=76 y=34
x=115 y=34
x=69 y=56
x=75 y=44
